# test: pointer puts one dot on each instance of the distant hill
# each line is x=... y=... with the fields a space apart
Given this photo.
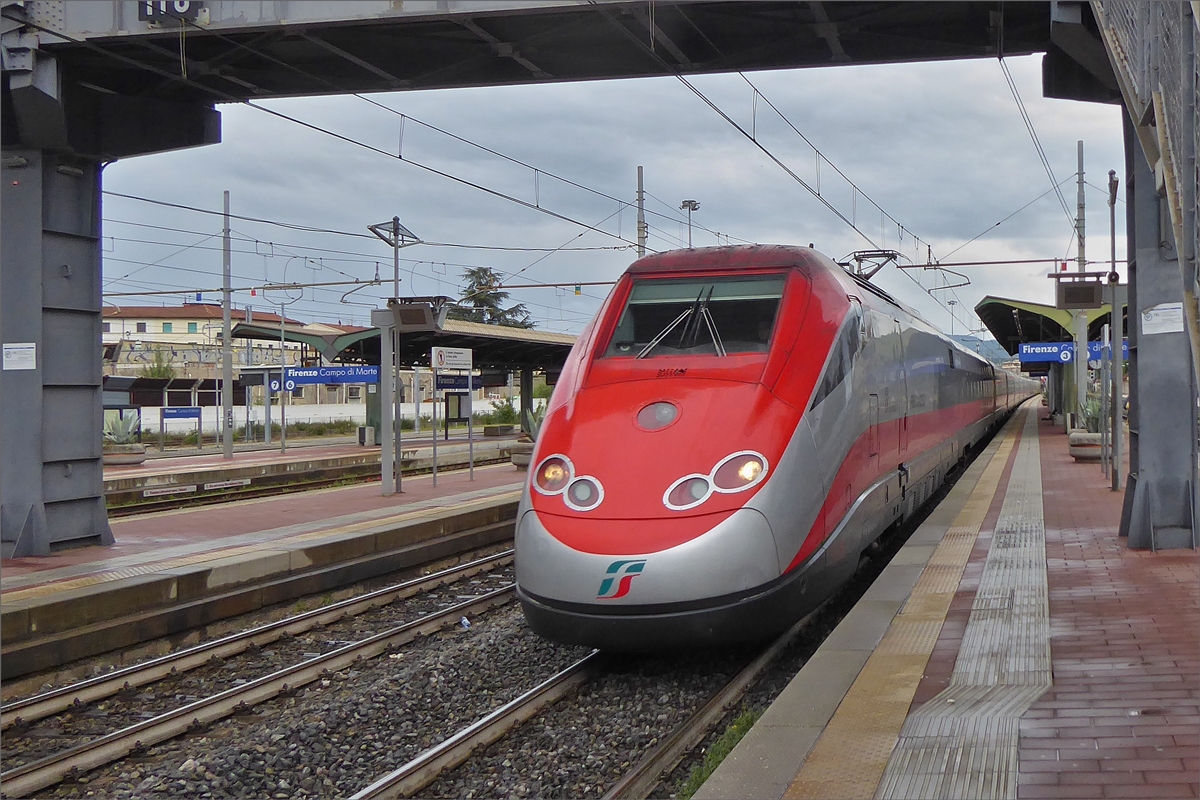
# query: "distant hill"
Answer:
x=988 y=348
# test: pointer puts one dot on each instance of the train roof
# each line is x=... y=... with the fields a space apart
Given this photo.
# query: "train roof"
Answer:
x=752 y=256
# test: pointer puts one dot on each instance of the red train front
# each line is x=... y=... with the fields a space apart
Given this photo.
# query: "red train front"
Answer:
x=712 y=461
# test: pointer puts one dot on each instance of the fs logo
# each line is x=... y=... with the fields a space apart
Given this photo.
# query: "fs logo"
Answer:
x=619 y=576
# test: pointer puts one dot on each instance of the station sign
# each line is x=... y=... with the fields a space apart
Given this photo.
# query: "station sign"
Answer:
x=450 y=358
x=1062 y=352
x=163 y=10
x=181 y=412
x=460 y=383
x=307 y=376
x=1059 y=352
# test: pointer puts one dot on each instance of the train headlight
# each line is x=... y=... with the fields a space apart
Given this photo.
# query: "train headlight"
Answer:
x=584 y=493
x=734 y=473
x=657 y=415
x=553 y=474
x=739 y=471
x=687 y=492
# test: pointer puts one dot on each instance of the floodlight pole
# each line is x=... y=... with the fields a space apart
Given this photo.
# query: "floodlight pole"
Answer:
x=689 y=206
x=397 y=236
x=1117 y=370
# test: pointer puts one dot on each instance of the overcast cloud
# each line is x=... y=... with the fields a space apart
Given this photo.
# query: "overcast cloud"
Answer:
x=940 y=146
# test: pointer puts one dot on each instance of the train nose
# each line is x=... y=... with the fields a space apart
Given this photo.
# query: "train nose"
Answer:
x=737 y=554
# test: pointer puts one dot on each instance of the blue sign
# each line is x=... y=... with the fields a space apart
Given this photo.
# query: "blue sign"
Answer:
x=457 y=382
x=1094 y=353
x=301 y=376
x=1061 y=352
x=181 y=412
x=1056 y=352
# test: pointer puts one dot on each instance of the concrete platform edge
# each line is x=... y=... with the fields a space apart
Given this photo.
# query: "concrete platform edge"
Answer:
x=52 y=617
x=764 y=763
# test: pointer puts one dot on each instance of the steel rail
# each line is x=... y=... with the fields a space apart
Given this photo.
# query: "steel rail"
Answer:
x=42 y=705
x=427 y=766
x=23 y=780
x=640 y=781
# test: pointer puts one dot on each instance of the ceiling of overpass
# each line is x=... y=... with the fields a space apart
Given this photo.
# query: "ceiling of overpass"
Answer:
x=480 y=45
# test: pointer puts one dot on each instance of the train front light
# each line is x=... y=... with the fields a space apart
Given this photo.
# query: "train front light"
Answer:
x=553 y=474
x=739 y=471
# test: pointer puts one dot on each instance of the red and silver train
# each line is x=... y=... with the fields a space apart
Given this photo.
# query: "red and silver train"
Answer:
x=729 y=434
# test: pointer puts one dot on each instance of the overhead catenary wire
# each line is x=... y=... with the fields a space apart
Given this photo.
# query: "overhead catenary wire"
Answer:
x=1037 y=144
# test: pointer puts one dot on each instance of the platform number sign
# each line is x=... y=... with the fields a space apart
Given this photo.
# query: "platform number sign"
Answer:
x=160 y=10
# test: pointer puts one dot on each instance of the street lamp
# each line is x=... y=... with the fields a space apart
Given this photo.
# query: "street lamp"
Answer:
x=689 y=206
x=952 y=304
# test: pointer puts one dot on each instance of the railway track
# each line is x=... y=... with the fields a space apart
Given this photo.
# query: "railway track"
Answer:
x=638 y=782
x=44 y=772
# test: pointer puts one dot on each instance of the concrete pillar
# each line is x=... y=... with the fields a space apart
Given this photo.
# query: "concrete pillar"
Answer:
x=51 y=475
x=1159 y=497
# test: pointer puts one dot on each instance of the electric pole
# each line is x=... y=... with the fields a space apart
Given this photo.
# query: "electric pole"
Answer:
x=226 y=341
x=641 y=219
x=1081 y=351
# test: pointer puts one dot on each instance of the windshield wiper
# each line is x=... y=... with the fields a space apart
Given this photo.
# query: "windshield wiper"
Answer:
x=712 y=331
x=665 y=332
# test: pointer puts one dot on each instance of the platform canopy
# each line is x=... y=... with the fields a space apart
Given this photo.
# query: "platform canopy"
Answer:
x=1015 y=321
x=494 y=346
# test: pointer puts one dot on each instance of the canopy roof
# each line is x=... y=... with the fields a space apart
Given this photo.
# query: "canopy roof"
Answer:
x=1015 y=321
x=494 y=346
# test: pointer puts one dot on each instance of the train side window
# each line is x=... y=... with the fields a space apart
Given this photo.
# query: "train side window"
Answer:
x=845 y=349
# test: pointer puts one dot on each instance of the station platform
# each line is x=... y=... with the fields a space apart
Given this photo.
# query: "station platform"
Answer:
x=1014 y=648
x=168 y=560
x=179 y=473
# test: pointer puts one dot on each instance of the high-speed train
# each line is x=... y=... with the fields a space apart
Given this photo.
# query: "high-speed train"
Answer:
x=729 y=434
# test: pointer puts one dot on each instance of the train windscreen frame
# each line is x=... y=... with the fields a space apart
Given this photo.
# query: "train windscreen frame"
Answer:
x=716 y=316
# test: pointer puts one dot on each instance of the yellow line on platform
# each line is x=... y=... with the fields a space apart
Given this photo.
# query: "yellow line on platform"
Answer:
x=849 y=758
x=82 y=582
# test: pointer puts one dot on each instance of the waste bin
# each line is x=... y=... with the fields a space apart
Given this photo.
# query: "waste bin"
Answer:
x=366 y=435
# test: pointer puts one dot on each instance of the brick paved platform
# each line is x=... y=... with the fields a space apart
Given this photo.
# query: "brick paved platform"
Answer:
x=1115 y=715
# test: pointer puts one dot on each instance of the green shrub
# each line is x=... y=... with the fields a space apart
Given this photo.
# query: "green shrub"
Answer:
x=716 y=754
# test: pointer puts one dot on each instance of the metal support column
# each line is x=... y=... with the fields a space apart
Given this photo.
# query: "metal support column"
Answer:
x=526 y=396
x=1159 y=502
x=51 y=472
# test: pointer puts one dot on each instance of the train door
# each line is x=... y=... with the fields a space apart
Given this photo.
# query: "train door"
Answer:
x=902 y=418
x=873 y=422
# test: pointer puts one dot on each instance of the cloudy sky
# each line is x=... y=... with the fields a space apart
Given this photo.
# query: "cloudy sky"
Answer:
x=940 y=147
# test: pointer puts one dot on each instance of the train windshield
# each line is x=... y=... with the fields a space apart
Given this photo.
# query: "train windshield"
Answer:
x=714 y=316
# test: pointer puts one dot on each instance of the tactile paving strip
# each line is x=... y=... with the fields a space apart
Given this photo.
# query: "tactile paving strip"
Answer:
x=963 y=742
x=849 y=759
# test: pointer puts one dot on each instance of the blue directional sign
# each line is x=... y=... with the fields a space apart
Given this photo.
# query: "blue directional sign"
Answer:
x=1094 y=349
x=1061 y=352
x=301 y=376
x=457 y=382
x=181 y=412
x=1056 y=352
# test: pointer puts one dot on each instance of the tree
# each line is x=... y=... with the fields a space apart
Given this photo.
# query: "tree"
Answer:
x=483 y=301
x=161 y=368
